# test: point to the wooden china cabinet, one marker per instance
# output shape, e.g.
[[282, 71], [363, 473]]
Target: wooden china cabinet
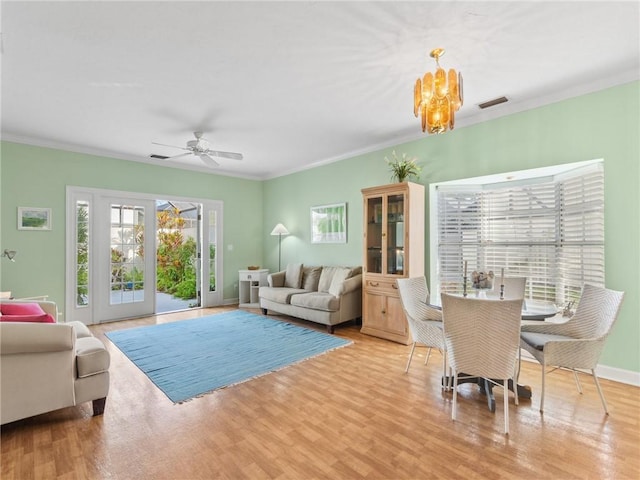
[[393, 248]]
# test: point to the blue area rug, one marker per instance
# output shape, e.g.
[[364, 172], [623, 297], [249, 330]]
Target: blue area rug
[[188, 358]]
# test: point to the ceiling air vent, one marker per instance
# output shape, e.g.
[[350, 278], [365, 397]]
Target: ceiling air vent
[[161, 157], [493, 103]]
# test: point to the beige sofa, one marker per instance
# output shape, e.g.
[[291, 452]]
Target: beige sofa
[[327, 295], [47, 366]]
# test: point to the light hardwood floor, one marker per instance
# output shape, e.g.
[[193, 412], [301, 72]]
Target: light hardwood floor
[[349, 414]]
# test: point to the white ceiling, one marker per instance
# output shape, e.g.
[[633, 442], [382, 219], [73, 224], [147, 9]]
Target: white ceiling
[[288, 84]]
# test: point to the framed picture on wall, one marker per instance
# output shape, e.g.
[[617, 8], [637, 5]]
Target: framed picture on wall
[[32, 218], [329, 223]]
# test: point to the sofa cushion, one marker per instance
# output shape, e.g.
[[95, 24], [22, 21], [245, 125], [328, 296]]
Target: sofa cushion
[[310, 278], [91, 357], [316, 301], [293, 275], [337, 282], [42, 318], [279, 294], [21, 309], [326, 277]]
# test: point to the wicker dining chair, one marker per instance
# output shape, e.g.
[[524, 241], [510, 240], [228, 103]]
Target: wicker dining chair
[[577, 343], [482, 339], [425, 321]]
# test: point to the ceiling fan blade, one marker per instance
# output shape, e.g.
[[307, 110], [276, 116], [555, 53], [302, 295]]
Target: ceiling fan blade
[[208, 161], [231, 155], [178, 156], [172, 146]]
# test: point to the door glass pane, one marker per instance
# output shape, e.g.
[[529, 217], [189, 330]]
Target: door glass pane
[[395, 234], [212, 250], [82, 253], [374, 235], [127, 254]]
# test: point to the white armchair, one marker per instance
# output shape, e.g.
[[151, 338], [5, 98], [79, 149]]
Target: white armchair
[[47, 366]]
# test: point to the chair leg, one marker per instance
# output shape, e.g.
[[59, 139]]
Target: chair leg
[[413, 347], [426, 360], [515, 391], [544, 368], [455, 395], [604, 402], [505, 387], [578, 384], [446, 384]]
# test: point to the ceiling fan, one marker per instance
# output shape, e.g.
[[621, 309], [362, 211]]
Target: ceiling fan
[[201, 148]]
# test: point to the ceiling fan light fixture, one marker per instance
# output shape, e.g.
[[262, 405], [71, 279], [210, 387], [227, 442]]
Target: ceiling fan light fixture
[[437, 96], [202, 149]]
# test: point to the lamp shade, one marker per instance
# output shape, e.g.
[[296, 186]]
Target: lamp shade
[[280, 229]]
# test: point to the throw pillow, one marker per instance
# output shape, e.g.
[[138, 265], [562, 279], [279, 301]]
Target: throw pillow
[[21, 309], [354, 271], [310, 278], [337, 282], [325, 278], [44, 318], [293, 275]]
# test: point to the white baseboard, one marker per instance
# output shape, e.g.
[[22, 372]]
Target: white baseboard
[[618, 375], [628, 377]]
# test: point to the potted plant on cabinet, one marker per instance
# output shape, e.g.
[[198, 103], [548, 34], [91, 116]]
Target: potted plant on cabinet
[[403, 168]]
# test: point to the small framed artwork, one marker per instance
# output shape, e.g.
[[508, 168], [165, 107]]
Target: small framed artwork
[[329, 223], [32, 218]]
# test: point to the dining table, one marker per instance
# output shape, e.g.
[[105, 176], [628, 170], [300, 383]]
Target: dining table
[[532, 311]]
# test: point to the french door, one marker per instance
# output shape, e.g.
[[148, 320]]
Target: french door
[[111, 251], [125, 239]]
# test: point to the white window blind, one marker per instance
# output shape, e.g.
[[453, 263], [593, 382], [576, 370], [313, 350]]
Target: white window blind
[[549, 229]]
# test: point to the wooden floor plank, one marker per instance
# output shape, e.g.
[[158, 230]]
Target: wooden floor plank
[[352, 413]]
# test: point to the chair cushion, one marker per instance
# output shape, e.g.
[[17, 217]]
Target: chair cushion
[[537, 340], [21, 309], [91, 357], [293, 275]]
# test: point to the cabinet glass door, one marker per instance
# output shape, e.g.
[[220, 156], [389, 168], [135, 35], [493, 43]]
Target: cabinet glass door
[[374, 234], [395, 234]]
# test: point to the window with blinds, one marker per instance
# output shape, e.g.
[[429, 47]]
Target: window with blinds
[[549, 229]]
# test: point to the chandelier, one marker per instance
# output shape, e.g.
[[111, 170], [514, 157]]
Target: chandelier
[[437, 97]]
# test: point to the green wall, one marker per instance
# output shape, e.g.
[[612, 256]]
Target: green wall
[[38, 177], [599, 125], [604, 125]]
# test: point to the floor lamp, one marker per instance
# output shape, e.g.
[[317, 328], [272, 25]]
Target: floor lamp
[[279, 230]]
